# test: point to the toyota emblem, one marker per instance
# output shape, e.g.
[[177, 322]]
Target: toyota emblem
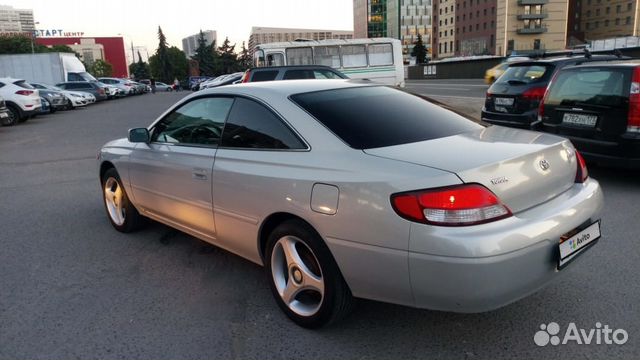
[[544, 165]]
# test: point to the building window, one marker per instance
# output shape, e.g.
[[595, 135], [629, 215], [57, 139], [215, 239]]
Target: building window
[[596, 24], [588, 13], [588, 25], [536, 44], [606, 22], [618, 9], [597, 12], [607, 10], [628, 20], [617, 21]]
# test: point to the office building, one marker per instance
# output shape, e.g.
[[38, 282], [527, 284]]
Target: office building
[[531, 25], [190, 43], [16, 20], [262, 35], [398, 19], [475, 32]]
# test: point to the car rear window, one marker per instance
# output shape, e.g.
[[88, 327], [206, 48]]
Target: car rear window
[[264, 75], [525, 74], [379, 116], [593, 86], [23, 84]]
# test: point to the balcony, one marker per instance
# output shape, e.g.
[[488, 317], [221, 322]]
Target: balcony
[[532, 16], [532, 2], [532, 30]]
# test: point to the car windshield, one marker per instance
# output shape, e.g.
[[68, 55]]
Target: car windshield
[[525, 73], [592, 86], [379, 116]]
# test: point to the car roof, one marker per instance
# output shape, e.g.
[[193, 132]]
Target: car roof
[[565, 59], [292, 67], [287, 87], [621, 63]]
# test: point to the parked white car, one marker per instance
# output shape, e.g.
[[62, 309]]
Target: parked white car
[[22, 99], [76, 98], [125, 85]]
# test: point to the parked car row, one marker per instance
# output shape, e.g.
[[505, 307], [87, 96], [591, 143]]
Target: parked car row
[[22, 100], [272, 73], [593, 100]]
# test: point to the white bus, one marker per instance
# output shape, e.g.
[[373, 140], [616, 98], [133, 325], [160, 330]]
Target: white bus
[[377, 59]]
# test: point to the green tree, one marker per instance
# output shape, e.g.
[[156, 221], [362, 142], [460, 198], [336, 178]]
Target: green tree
[[179, 64], [419, 51], [15, 44], [205, 55], [140, 69], [228, 58], [61, 48], [101, 68], [245, 60], [163, 71]]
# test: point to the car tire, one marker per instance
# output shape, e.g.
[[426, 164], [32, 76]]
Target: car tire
[[121, 213], [10, 120], [15, 113], [303, 276]]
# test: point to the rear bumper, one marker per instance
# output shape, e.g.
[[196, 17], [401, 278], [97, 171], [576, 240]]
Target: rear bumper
[[469, 279], [526, 120]]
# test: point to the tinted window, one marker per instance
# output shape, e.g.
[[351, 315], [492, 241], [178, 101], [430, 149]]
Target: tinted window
[[38, 86], [608, 87], [326, 74], [23, 84], [251, 125], [371, 117], [298, 74], [198, 122], [264, 75], [74, 77], [524, 74]]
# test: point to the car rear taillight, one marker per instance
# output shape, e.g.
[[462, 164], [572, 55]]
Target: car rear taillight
[[633, 117], [534, 94], [460, 205], [24, 92], [245, 76], [581, 173], [101, 91]]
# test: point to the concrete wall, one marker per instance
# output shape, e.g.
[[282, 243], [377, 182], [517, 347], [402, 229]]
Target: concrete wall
[[474, 69]]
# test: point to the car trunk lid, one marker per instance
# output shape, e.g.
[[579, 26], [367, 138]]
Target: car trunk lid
[[519, 89], [522, 168], [590, 102]]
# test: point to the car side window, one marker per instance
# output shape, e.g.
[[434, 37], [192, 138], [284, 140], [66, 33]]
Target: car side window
[[298, 74], [252, 126], [198, 122], [325, 74], [264, 75]]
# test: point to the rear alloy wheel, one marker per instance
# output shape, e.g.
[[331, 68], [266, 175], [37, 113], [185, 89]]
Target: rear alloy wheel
[[304, 277], [123, 215], [10, 120], [15, 113]]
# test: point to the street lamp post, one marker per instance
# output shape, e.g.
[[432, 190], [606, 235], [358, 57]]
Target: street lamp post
[[33, 37]]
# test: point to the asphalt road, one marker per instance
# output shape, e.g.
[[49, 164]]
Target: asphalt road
[[466, 95], [72, 287]]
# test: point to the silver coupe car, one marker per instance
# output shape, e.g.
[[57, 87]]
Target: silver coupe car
[[346, 189]]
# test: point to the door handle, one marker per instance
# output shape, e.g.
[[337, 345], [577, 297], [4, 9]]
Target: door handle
[[199, 174]]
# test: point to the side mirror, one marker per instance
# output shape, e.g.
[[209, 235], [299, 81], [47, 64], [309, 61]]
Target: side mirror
[[139, 135]]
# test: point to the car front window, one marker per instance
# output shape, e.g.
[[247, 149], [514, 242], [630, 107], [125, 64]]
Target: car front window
[[198, 122]]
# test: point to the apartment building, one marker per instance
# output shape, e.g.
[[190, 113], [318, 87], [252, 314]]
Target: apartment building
[[16, 20], [526, 25], [604, 19], [262, 35]]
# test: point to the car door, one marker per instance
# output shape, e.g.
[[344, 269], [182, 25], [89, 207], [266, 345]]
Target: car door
[[255, 154], [171, 175]]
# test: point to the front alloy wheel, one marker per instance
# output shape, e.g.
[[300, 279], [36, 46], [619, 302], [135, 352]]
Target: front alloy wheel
[[123, 215]]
